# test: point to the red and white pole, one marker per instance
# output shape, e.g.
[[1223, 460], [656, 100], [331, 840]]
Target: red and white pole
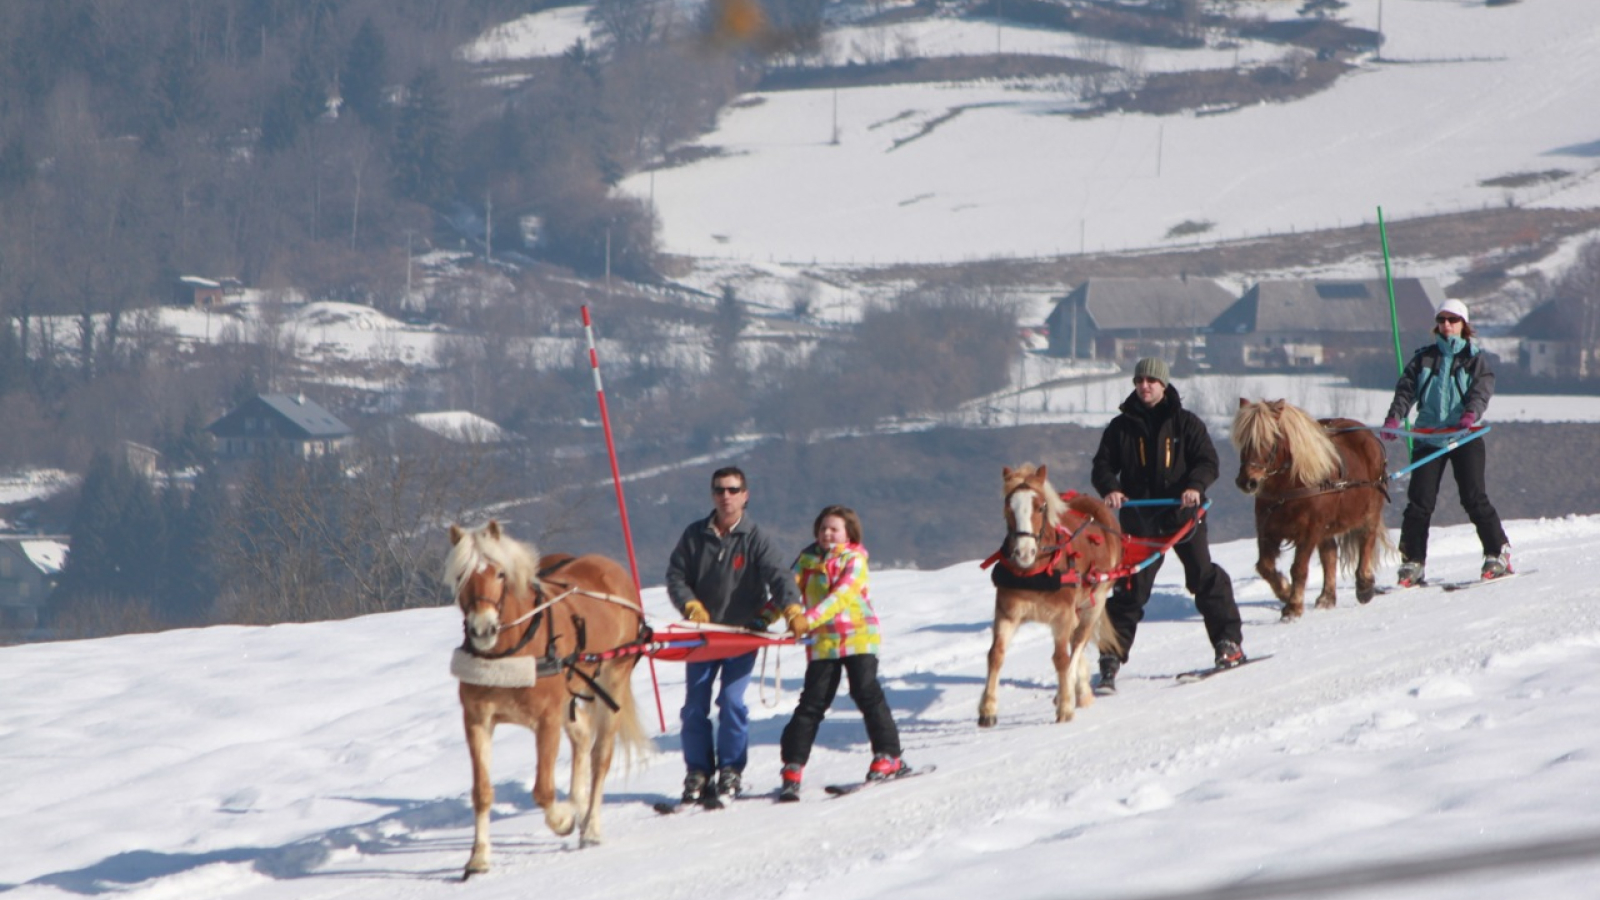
[[622, 503]]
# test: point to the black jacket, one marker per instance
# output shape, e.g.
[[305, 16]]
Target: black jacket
[[732, 574], [1154, 452]]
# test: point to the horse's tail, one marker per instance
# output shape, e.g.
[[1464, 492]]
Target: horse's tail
[[635, 743], [1350, 549], [1105, 632]]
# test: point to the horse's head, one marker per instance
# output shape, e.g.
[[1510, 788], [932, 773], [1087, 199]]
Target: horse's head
[[1262, 451], [1277, 439], [492, 577], [1032, 508]]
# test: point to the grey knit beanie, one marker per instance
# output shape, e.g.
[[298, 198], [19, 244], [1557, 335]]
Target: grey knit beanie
[[1151, 367]]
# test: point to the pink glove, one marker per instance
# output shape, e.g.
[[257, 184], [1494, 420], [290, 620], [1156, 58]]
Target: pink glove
[[1466, 420], [1390, 425]]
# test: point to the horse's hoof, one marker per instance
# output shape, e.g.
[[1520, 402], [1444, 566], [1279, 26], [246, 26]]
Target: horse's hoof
[[475, 867], [590, 840], [1291, 613], [1063, 717], [987, 721], [1327, 604]]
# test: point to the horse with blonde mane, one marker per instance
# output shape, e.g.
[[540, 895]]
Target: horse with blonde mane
[[529, 621], [1319, 484], [1058, 548]]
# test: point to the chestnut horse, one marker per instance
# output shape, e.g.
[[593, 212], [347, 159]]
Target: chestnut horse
[[1318, 484], [1048, 536], [527, 622]]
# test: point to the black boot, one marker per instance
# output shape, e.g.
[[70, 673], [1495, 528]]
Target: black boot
[[1109, 665], [694, 784]]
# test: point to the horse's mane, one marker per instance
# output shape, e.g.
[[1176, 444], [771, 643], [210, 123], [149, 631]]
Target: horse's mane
[[1054, 506], [1313, 458], [489, 545], [1090, 508]]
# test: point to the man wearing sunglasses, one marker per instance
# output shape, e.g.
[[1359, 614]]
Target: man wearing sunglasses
[[724, 571], [1450, 381]]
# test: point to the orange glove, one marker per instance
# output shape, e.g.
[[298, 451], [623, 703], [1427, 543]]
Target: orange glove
[[797, 619], [696, 612]]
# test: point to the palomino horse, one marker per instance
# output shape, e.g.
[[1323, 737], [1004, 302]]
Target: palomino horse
[[1317, 483], [1047, 537], [528, 621]]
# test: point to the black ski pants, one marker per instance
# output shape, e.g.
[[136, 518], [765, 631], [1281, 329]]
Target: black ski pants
[[1210, 584], [1467, 463], [822, 684]]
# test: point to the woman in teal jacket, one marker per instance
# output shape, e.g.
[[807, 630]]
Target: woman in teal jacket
[[1451, 382]]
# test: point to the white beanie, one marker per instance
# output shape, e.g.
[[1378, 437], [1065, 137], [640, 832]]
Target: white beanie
[[1455, 308]]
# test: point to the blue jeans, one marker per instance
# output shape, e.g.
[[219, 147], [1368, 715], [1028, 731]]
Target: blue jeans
[[732, 747]]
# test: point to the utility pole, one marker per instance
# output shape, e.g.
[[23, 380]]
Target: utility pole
[[1378, 54], [835, 140], [407, 304]]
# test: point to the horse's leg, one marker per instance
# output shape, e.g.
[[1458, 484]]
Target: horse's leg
[[989, 705], [580, 728], [1061, 627], [1328, 553], [1366, 566], [1295, 605], [606, 724], [1081, 636], [547, 738], [1267, 564], [480, 744]]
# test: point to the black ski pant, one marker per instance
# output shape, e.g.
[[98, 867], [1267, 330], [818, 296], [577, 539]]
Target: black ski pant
[[1467, 463], [1210, 584], [822, 684]]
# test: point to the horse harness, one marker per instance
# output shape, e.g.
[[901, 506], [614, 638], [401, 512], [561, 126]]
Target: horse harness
[[1051, 556], [1335, 486], [552, 663]]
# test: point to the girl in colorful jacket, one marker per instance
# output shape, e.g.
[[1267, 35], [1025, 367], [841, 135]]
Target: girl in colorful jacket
[[836, 613]]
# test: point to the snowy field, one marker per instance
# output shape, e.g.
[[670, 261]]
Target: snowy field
[[1428, 745], [1464, 93]]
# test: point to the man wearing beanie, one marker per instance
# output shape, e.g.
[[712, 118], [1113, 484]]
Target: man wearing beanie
[[1157, 450]]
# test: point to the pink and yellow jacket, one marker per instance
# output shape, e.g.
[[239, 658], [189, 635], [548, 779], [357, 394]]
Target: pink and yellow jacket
[[833, 588]]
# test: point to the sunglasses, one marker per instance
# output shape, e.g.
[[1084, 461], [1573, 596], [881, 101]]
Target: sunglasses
[[1448, 320], [719, 489]]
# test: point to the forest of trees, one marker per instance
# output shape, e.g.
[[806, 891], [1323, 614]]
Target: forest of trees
[[299, 145]]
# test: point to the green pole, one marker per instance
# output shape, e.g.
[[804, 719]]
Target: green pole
[[1388, 277], [1394, 314]]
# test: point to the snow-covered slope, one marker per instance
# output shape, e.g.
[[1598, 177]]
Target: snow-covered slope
[[1425, 745], [1464, 93]]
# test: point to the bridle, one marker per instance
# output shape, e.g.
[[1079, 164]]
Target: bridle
[[1015, 531], [1263, 462]]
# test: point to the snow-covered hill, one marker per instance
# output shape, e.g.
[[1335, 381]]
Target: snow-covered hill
[[1463, 93], [1427, 745]]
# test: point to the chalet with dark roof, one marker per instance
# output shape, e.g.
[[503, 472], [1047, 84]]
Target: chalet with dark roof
[[30, 569], [1315, 324], [1552, 340], [280, 423], [1123, 319]]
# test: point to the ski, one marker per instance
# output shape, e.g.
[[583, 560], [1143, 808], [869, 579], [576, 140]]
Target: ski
[[1384, 589], [1480, 582], [845, 790], [1203, 674], [673, 807]]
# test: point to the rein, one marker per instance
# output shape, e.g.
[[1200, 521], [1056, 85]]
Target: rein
[[550, 663], [1340, 485]]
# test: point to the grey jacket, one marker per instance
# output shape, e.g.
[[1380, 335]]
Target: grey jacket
[[738, 576]]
